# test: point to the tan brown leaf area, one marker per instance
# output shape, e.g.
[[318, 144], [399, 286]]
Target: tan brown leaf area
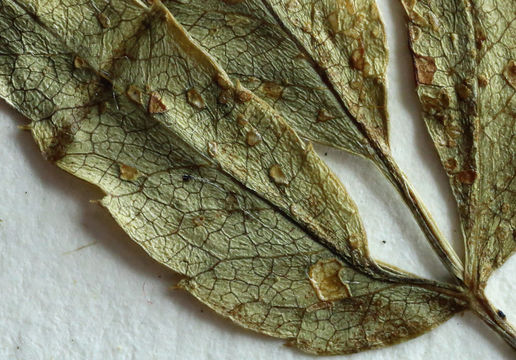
[[187, 114]]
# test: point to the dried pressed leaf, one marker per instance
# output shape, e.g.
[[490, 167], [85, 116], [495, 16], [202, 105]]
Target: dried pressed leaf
[[469, 104], [321, 64], [187, 81], [263, 233]]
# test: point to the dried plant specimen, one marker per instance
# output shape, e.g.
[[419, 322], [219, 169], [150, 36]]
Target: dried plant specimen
[[190, 126]]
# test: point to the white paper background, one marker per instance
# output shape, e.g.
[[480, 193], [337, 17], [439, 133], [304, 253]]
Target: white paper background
[[75, 287]]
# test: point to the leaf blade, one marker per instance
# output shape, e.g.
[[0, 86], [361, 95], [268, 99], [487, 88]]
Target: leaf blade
[[148, 173], [302, 64], [306, 190], [333, 92], [472, 133]]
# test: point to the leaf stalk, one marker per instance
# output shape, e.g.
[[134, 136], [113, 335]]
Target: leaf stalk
[[494, 318], [441, 246]]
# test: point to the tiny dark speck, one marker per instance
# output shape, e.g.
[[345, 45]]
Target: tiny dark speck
[[501, 314], [383, 241], [325, 154], [187, 177]]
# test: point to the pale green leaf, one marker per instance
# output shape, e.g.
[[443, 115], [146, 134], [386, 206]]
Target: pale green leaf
[[155, 60], [205, 176], [321, 63], [465, 67]]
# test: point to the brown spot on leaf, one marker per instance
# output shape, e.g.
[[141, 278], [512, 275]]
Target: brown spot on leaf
[[483, 81], [277, 175], [306, 27], [453, 131], [104, 20], [435, 105], [451, 143], [510, 73], [134, 94], [324, 276], [128, 173], [502, 232], [464, 91], [293, 6], [195, 99], [222, 81], [242, 95], [253, 137], [156, 105], [506, 208], [56, 149], [425, 69], [225, 96], [241, 121], [324, 116], [467, 177], [272, 89], [334, 21], [212, 148], [199, 220], [357, 59], [480, 37], [79, 63], [450, 164], [415, 33]]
